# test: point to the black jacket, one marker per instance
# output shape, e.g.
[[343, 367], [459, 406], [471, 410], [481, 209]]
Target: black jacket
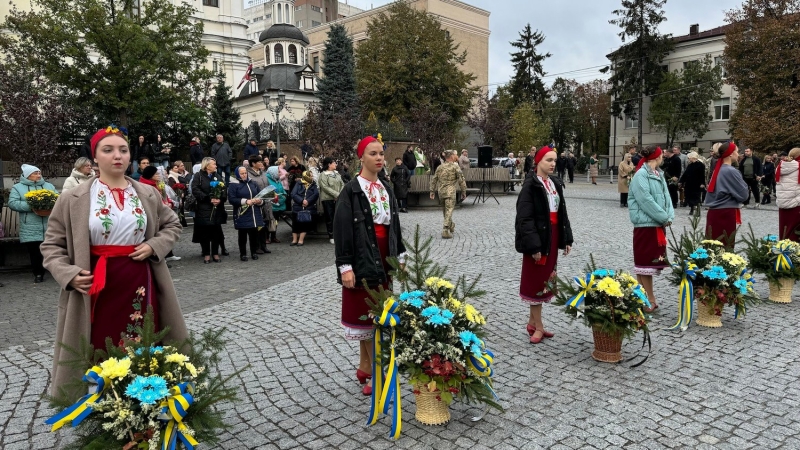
[[769, 172], [532, 225], [158, 155], [354, 235], [561, 164], [409, 160], [757, 172], [300, 193], [528, 164], [672, 166], [143, 151], [694, 176], [196, 154], [401, 181], [572, 162], [201, 189]]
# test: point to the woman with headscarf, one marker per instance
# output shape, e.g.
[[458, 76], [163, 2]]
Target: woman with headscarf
[[651, 212], [258, 175], [787, 197], [304, 198], [105, 247], [210, 212], [541, 229], [693, 181], [247, 216], [32, 226], [278, 202], [624, 175], [726, 191], [366, 231]]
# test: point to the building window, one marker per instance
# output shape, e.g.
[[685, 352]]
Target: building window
[[316, 64], [447, 34], [268, 16], [288, 18], [292, 54], [722, 109], [280, 14], [314, 23], [720, 62], [665, 68], [299, 24], [632, 120], [278, 54], [266, 55], [687, 64], [302, 56], [215, 66], [214, 3], [316, 8], [298, 8]]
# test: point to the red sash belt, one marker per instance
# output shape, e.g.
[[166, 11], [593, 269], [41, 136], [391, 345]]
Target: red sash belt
[[105, 252], [738, 216]]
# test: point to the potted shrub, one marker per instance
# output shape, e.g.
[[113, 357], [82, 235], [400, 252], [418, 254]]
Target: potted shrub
[[778, 261]]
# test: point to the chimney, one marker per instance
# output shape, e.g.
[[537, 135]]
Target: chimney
[[694, 30]]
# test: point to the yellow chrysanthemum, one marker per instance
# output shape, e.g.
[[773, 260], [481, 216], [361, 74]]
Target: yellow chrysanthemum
[[455, 303], [712, 242], [115, 368], [629, 279], [734, 259], [473, 315], [610, 287], [177, 358], [190, 367], [436, 282]]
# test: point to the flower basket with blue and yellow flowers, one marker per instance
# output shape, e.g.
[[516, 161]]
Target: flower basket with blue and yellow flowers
[[779, 262], [143, 395], [608, 301], [432, 333], [706, 272]]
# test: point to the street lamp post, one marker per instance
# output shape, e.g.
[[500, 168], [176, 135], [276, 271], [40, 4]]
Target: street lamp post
[[280, 102]]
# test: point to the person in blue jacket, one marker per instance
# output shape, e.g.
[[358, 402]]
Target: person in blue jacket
[[304, 197], [247, 216], [650, 209], [32, 227]]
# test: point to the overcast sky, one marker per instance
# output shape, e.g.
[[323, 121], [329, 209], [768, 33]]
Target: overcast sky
[[577, 31]]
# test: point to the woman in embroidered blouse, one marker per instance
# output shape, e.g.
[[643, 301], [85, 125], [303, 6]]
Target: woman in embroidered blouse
[[106, 246], [541, 229], [366, 232]]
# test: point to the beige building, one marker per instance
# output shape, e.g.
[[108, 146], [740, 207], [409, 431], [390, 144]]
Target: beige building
[[688, 48], [262, 14]]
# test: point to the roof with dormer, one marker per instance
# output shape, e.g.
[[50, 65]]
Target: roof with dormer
[[283, 31]]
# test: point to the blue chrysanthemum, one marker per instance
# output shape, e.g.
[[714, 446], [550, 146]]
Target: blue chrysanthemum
[[476, 350], [405, 296], [437, 320], [771, 238], [214, 184], [431, 311], [148, 390], [139, 351], [467, 338], [715, 273], [603, 273], [700, 253], [741, 283], [417, 294], [416, 302], [447, 314]]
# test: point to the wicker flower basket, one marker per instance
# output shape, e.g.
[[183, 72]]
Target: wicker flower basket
[[42, 212], [706, 318], [430, 410], [607, 347], [781, 292]]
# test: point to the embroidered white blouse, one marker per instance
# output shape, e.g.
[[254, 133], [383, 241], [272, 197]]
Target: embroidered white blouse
[[381, 210], [552, 193], [116, 216]]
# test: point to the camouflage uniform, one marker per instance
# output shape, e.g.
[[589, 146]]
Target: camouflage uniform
[[448, 179]]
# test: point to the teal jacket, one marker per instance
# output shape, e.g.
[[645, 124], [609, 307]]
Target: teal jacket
[[31, 226], [649, 203]]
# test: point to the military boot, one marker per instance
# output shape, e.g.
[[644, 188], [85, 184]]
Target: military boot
[[446, 234], [452, 227]]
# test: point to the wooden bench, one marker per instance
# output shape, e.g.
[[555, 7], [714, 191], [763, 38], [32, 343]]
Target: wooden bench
[[10, 221], [11, 252]]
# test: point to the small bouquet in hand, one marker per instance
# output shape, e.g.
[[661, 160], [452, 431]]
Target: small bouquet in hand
[[264, 193], [217, 189]]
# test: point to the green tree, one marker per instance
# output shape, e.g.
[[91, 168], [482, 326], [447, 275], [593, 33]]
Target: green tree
[[226, 118], [408, 60], [562, 112], [526, 85], [528, 128], [681, 106], [636, 66], [128, 64], [490, 121], [763, 62], [594, 116]]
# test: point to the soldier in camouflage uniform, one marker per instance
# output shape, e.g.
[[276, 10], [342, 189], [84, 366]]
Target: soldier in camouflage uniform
[[448, 179]]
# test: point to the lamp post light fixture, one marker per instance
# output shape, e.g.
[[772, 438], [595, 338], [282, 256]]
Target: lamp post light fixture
[[280, 103]]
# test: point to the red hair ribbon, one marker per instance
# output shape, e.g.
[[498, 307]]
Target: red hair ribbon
[[539, 156], [362, 145], [651, 157], [107, 131], [712, 184]]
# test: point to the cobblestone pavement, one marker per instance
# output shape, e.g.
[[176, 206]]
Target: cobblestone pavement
[[734, 387]]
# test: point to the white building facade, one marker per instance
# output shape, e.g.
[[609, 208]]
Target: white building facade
[[688, 48]]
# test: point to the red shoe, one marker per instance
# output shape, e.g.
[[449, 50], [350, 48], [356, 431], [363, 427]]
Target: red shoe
[[363, 377], [367, 390], [531, 329], [536, 340]]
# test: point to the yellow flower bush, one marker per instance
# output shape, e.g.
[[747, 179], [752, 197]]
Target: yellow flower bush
[[177, 358], [439, 283], [116, 368], [734, 259], [610, 287], [41, 199], [473, 315]]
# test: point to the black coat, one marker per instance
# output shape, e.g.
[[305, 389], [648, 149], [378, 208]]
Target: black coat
[[769, 173], [571, 163], [143, 151], [528, 164], [354, 235], [409, 160], [157, 152], [250, 150], [757, 171], [196, 154], [300, 193], [201, 189], [672, 166], [532, 225], [694, 177], [561, 164], [401, 181]]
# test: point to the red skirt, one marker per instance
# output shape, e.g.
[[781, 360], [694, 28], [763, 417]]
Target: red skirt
[[789, 223], [119, 308], [649, 250], [535, 274], [721, 225], [354, 301]]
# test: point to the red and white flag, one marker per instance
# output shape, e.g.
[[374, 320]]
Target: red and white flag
[[247, 76]]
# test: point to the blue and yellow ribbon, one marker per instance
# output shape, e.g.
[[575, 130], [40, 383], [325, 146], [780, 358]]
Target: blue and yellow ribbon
[[783, 263], [638, 291], [75, 414], [586, 284], [173, 409], [386, 395], [686, 297], [483, 367]]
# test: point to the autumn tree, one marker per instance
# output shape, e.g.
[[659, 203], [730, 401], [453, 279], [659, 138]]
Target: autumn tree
[[490, 121], [763, 62], [594, 115], [431, 126], [636, 66], [528, 128], [408, 60], [561, 111], [681, 105], [128, 61], [526, 84]]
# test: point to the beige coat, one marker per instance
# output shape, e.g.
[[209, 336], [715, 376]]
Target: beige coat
[[66, 251], [625, 169]]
